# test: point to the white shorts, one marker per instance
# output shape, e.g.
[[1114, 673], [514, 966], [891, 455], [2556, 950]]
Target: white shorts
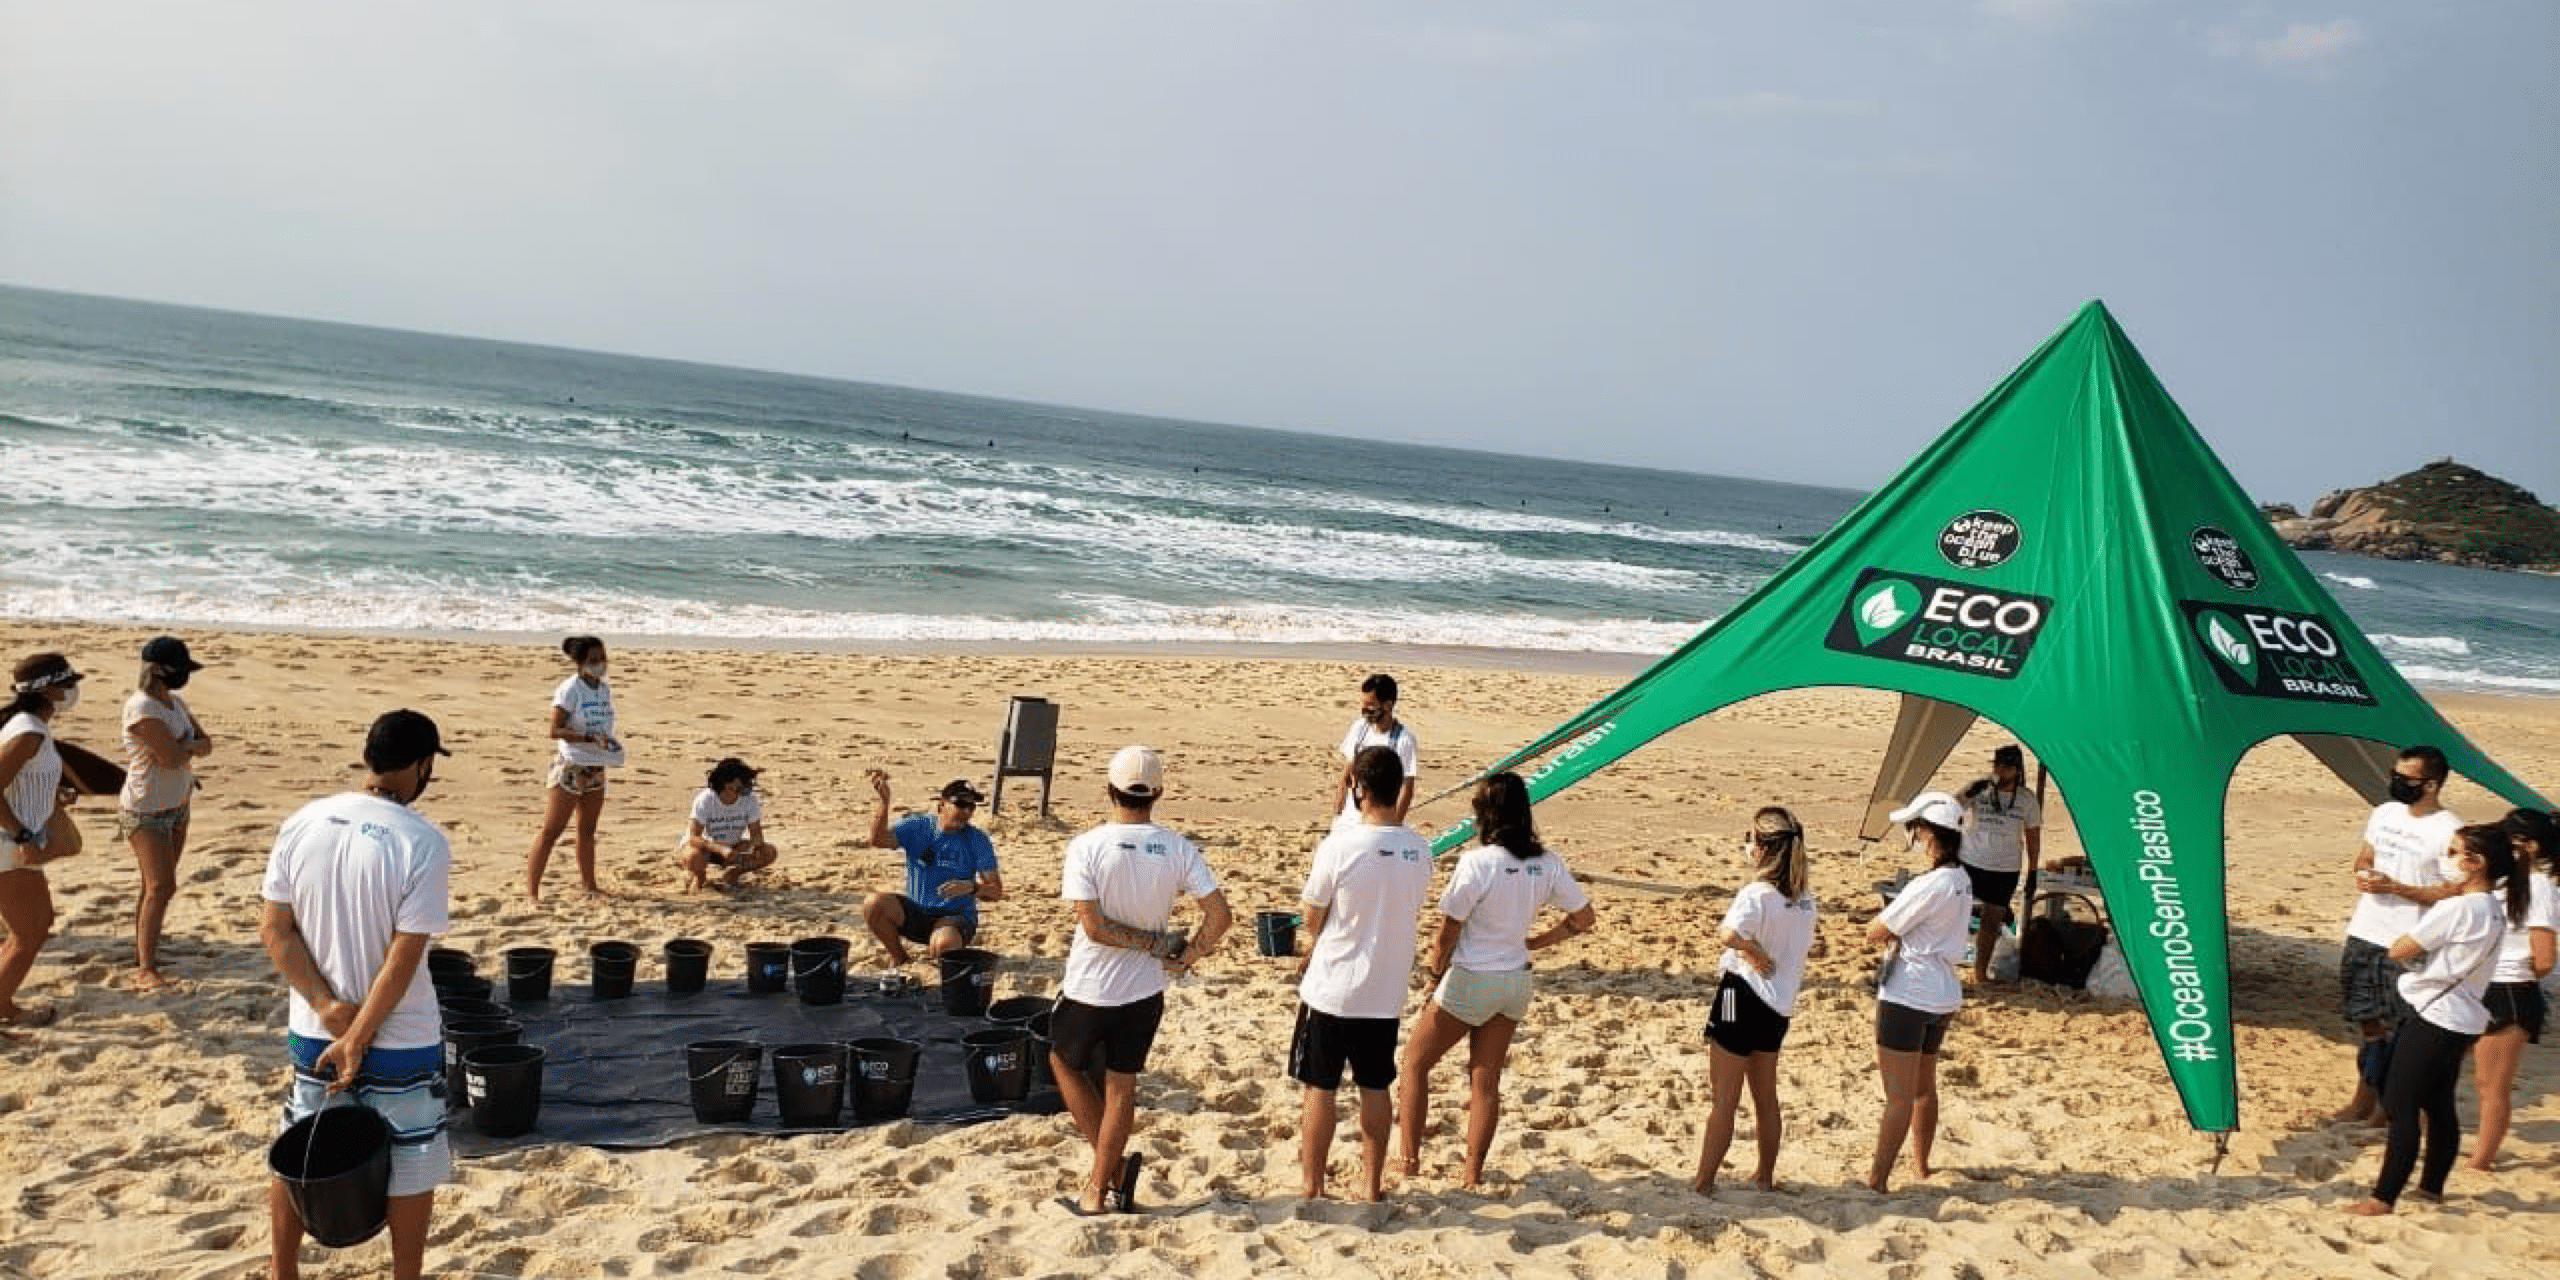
[[1474, 998]]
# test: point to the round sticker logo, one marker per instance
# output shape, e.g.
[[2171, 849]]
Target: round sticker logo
[[2224, 558], [1978, 539]]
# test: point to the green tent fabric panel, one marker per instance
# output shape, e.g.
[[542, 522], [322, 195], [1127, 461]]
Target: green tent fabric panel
[[2070, 560]]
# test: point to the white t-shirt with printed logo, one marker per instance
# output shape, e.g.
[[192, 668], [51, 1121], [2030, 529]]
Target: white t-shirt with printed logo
[[1498, 897], [724, 823], [1930, 918], [1371, 882], [1134, 872], [2542, 911], [2411, 851], [1783, 929], [1996, 823], [590, 709], [357, 869], [2461, 935]]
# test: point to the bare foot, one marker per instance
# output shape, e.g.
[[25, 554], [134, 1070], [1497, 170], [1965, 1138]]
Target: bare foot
[[2424, 1196], [2350, 1115], [1764, 1184], [1704, 1184], [2369, 1208], [151, 981]]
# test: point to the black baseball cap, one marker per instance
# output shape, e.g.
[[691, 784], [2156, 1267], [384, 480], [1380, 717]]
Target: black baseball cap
[[401, 738], [169, 651], [959, 790]]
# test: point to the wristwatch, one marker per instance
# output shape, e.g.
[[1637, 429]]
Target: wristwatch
[[26, 835]]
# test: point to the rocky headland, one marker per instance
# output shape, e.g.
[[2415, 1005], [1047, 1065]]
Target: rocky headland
[[2443, 511]]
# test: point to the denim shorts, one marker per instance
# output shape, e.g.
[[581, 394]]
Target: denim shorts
[[157, 821]]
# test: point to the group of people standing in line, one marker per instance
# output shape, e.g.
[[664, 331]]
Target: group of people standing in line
[[2453, 931]]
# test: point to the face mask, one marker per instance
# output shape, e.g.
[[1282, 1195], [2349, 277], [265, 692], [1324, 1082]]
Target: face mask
[[426, 774], [592, 671], [70, 698], [2406, 789], [174, 679]]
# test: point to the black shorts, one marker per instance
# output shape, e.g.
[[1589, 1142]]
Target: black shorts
[[1992, 888], [1323, 1044], [1114, 1037], [1903, 1029], [916, 922], [2516, 1004], [1741, 1023]]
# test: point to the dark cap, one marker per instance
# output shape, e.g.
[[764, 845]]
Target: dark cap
[[2009, 754], [399, 739], [169, 651], [960, 790]]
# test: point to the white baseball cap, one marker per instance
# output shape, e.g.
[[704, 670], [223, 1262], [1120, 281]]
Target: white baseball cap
[[1138, 771], [1934, 807]]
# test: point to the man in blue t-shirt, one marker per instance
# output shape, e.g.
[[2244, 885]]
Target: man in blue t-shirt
[[951, 868]]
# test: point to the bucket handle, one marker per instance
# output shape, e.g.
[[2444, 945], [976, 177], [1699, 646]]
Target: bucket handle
[[691, 1078]]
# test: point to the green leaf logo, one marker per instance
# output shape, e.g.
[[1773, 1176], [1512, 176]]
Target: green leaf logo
[[1888, 604], [2222, 636]]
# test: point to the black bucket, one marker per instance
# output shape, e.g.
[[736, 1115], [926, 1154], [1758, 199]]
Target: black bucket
[[808, 1084], [688, 965], [723, 1077], [610, 966], [817, 969], [463, 1008], [463, 1035], [1042, 1077], [449, 961], [335, 1165], [1017, 1010], [999, 1060], [505, 1085], [968, 982], [461, 986], [529, 973], [1275, 932], [768, 967], [884, 1077]]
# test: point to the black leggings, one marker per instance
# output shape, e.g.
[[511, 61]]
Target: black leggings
[[2426, 1064]]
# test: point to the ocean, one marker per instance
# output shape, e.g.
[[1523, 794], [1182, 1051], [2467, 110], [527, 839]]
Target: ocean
[[174, 467]]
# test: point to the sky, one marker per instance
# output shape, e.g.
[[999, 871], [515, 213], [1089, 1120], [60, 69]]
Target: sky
[[1779, 240]]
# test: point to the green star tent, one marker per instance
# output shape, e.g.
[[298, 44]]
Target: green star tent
[[2072, 561]]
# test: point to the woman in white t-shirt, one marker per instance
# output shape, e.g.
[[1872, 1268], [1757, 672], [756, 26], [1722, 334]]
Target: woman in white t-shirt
[[162, 742], [726, 829], [2516, 1005], [45, 686], [2459, 936], [1480, 956], [582, 726], [1918, 992], [1766, 934]]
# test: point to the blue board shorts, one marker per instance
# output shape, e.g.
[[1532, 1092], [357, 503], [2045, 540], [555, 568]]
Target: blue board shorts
[[405, 1085]]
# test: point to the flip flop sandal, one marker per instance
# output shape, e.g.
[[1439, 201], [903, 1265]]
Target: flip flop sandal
[[30, 1018], [1123, 1198]]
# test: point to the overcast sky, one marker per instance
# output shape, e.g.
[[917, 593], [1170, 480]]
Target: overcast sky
[[1780, 239]]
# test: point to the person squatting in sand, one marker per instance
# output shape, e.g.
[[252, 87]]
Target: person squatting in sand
[[1766, 933], [33, 831], [1360, 902], [356, 886], [726, 828], [2404, 845], [2003, 841], [1123, 879], [1376, 727], [951, 868], [582, 724], [2517, 1008], [1480, 958], [1918, 992], [162, 742], [2459, 935]]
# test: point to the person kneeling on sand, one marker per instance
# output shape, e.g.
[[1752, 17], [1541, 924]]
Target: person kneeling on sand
[[727, 828], [951, 868]]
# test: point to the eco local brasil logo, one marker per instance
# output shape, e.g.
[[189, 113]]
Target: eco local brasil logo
[[2276, 653], [1936, 623]]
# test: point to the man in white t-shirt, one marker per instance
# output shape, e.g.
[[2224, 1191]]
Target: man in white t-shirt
[[2003, 840], [1123, 878], [1361, 901], [355, 888], [1376, 727], [2399, 869], [725, 828]]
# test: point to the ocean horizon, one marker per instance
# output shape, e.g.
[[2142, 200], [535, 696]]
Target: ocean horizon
[[216, 469]]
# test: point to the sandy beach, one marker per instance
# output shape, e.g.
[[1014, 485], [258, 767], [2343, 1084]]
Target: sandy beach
[[133, 1132]]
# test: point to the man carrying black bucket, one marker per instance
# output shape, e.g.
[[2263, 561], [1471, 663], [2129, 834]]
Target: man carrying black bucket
[[951, 868], [1123, 878], [1361, 901], [355, 887]]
